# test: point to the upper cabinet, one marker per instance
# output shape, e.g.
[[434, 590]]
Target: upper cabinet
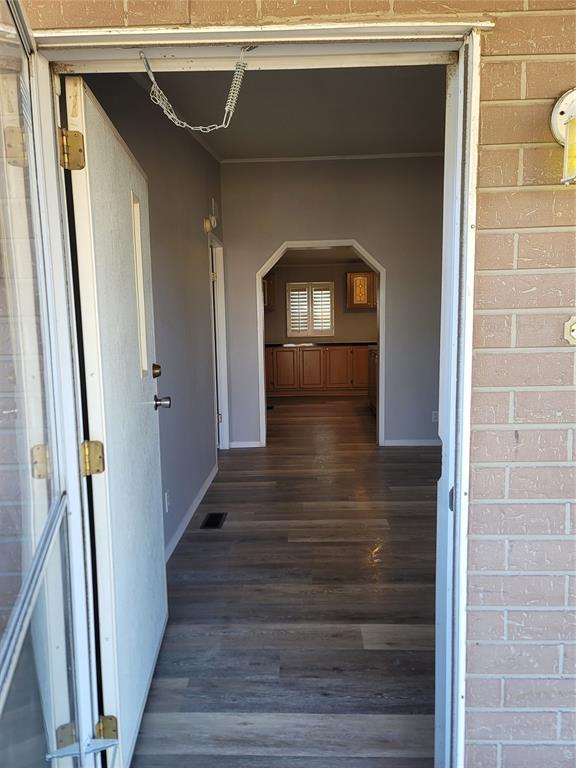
[[361, 290]]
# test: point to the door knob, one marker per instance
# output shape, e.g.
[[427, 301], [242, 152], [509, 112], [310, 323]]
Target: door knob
[[162, 402], [156, 370]]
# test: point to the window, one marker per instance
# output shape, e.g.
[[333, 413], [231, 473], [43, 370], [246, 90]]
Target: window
[[310, 309]]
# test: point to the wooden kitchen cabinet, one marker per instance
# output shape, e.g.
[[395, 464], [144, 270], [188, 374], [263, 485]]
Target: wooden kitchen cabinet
[[361, 290], [337, 367], [332, 369], [269, 367], [360, 367], [311, 373], [286, 368], [373, 388]]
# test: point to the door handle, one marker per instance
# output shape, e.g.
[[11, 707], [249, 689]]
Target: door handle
[[162, 402]]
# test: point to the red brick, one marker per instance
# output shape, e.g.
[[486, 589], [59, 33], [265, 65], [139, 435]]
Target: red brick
[[540, 330], [485, 625], [486, 483], [491, 331], [513, 659], [544, 407], [481, 756], [223, 12], [511, 726], [482, 692], [543, 482], [494, 251], [500, 80], [277, 10], [141, 13], [551, 555], [548, 756], [519, 445], [515, 123], [486, 555], [531, 33], [523, 369], [516, 591], [498, 167], [540, 693], [542, 165], [542, 625], [543, 250], [524, 291], [549, 79], [526, 208], [490, 407], [523, 519]]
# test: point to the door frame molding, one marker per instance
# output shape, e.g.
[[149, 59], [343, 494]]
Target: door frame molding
[[367, 257], [351, 45], [220, 352]]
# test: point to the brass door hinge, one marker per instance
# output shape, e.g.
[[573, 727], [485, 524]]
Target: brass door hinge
[[71, 144], [65, 735], [106, 727], [15, 146], [41, 465], [91, 458], [213, 276]]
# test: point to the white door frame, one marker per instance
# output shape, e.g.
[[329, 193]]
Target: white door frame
[[367, 257], [218, 301], [381, 44]]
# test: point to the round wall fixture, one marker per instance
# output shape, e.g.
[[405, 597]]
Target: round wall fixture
[[564, 108]]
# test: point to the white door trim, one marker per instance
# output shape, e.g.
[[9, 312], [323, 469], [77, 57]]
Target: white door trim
[[109, 51], [221, 350], [377, 267]]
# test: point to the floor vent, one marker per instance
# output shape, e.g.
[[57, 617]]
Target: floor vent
[[214, 520]]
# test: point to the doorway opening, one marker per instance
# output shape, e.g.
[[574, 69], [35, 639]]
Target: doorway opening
[[322, 327], [243, 414]]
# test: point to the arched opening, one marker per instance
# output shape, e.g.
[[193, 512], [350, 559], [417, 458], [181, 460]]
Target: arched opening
[[367, 258]]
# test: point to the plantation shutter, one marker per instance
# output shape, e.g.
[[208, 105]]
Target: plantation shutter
[[298, 309], [322, 314], [310, 309]]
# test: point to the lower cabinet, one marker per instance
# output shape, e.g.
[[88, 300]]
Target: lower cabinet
[[338, 367], [373, 379], [286, 368], [295, 370], [311, 368]]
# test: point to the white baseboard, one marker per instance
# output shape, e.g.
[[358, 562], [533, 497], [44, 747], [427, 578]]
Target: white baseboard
[[171, 546], [414, 443], [247, 444]]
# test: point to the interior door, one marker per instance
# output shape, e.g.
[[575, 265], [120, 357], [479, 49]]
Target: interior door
[[110, 200]]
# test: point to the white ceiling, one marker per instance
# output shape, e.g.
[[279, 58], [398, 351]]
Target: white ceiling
[[319, 112], [339, 254]]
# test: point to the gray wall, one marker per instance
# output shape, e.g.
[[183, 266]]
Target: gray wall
[[348, 325], [391, 207], [182, 177]]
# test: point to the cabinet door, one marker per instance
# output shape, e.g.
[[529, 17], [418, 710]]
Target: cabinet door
[[361, 290], [286, 368], [373, 379], [338, 367], [360, 367], [311, 368], [269, 368]]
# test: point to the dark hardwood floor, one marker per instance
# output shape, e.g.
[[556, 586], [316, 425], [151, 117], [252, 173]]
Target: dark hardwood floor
[[301, 632]]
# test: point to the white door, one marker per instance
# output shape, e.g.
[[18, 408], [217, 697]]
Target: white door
[[110, 198]]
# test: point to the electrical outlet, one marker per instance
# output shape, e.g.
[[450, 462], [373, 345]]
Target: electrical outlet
[[166, 502], [435, 417]]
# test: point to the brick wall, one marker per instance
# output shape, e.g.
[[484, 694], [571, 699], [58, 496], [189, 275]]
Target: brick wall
[[522, 613]]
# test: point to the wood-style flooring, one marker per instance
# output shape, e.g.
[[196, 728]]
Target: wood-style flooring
[[301, 632]]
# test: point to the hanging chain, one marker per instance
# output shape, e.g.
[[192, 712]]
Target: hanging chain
[[158, 96]]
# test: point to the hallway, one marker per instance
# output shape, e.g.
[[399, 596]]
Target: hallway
[[301, 632]]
